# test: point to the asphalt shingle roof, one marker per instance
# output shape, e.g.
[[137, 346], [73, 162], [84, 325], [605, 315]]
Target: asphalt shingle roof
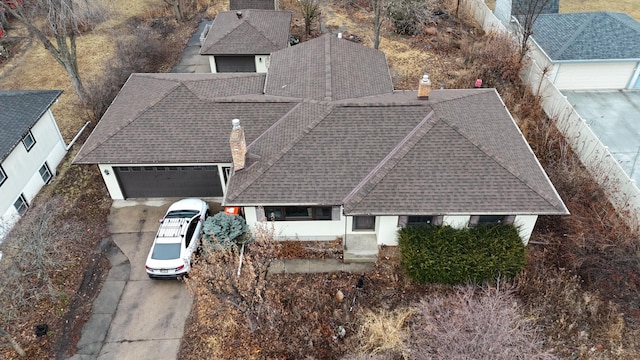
[[337, 142], [387, 154], [19, 111], [255, 32], [252, 4], [588, 36], [328, 68], [172, 118]]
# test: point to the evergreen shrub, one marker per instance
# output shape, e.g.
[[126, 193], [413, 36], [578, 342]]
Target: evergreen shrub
[[434, 254]]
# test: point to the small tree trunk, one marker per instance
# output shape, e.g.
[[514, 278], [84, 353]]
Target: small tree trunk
[[13, 342]]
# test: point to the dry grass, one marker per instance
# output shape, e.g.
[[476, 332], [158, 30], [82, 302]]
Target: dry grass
[[35, 68], [385, 331]]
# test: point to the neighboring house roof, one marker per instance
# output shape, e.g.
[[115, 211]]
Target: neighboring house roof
[[253, 32], [395, 154], [252, 4], [328, 68], [176, 115], [588, 36], [20, 110]]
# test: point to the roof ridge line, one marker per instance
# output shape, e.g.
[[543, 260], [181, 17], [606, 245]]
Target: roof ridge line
[[575, 34], [400, 148], [327, 68], [133, 118], [500, 163], [268, 164]]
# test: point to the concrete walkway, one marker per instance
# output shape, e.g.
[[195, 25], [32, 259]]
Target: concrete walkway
[[191, 61]]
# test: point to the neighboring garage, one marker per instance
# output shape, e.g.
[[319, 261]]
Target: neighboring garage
[[225, 64], [169, 181]]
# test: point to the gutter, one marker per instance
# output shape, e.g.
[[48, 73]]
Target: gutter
[[75, 138]]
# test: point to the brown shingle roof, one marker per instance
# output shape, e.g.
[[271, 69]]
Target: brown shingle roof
[[255, 32], [173, 118], [373, 150], [388, 154], [328, 68]]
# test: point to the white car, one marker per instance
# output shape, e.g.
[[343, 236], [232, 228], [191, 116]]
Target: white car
[[177, 239]]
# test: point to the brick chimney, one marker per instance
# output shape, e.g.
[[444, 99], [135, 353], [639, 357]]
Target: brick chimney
[[424, 88], [238, 145]]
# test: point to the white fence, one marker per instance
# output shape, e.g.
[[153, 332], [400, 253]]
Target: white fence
[[621, 190]]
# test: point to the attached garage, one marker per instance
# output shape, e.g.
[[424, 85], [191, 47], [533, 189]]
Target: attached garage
[[169, 181]]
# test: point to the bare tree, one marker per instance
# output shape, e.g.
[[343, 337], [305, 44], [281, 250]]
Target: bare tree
[[379, 14], [32, 252], [236, 275], [527, 12], [179, 8], [310, 10], [62, 20]]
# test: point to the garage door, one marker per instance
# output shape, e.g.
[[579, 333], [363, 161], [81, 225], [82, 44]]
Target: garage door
[[169, 181], [235, 64]]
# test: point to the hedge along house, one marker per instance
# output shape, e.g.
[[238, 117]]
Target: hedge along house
[[330, 149], [588, 51], [242, 40]]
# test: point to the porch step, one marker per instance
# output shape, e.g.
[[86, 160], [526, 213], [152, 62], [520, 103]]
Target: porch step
[[360, 256]]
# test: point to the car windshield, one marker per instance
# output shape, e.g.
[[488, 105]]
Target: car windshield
[[166, 251], [177, 214]]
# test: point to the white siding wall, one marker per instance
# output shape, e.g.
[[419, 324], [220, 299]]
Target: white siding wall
[[525, 225], [262, 63], [321, 230], [212, 63], [593, 76], [456, 222], [386, 228], [22, 167], [111, 181]]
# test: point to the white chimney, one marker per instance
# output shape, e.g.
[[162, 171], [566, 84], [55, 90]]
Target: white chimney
[[424, 88], [239, 14], [238, 145]]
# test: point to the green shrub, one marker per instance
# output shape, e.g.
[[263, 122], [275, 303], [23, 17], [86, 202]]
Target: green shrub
[[225, 230], [432, 254]]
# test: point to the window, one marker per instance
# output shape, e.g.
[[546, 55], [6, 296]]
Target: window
[[21, 205], [45, 173], [419, 220], [3, 176], [364, 222], [491, 220], [28, 141], [293, 213]]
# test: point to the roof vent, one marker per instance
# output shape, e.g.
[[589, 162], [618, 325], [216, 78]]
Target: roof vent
[[239, 14]]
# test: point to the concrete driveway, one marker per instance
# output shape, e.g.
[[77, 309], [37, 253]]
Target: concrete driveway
[[149, 320], [135, 317]]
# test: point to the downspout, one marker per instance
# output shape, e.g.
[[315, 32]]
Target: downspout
[[67, 147]]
